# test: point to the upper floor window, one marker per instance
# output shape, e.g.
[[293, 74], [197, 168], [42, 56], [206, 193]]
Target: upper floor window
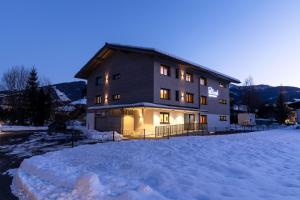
[[98, 80], [222, 101], [165, 93], [164, 118], [165, 70], [223, 118], [203, 119], [98, 99], [116, 97], [223, 85], [189, 97], [116, 76], [177, 95], [189, 77], [177, 73], [203, 100], [203, 81]]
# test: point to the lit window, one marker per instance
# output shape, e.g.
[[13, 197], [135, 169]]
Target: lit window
[[165, 94], [203, 81], [203, 119], [116, 97], [98, 99], [223, 118], [164, 118], [189, 98], [203, 100], [116, 76], [165, 70], [223, 85], [189, 77], [98, 80], [222, 101]]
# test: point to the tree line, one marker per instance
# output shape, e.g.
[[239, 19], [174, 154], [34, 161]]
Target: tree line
[[251, 98], [27, 98]]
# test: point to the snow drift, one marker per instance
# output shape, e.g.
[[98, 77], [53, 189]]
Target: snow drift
[[260, 166]]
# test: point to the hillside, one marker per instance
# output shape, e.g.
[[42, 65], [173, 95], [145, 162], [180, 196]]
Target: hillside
[[268, 94]]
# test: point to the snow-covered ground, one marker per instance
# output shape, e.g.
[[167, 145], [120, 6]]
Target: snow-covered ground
[[7, 128], [250, 166]]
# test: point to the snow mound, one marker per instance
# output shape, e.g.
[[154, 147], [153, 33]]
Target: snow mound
[[97, 135], [7, 128], [79, 102], [260, 166]]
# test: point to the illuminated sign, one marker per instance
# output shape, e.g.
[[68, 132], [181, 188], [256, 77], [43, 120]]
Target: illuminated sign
[[213, 93]]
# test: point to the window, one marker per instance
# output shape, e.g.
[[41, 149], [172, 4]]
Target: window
[[222, 101], [189, 97], [98, 99], [203, 100], [223, 85], [116, 97], [177, 73], [116, 76], [203, 81], [189, 77], [177, 95], [223, 118], [165, 70], [203, 119], [164, 118], [165, 93], [98, 80]]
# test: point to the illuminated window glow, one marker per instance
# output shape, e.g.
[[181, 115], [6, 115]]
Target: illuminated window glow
[[98, 99], [164, 118], [189, 98], [165, 70], [164, 94], [203, 100]]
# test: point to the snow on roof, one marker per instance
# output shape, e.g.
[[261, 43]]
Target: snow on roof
[[62, 96], [142, 104], [79, 102]]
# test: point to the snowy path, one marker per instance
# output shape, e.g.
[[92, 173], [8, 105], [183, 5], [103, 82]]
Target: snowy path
[[251, 166]]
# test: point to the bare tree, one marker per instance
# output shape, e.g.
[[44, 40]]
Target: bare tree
[[250, 97], [13, 82]]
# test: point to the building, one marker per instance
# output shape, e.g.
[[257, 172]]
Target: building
[[136, 89], [296, 105], [246, 119]]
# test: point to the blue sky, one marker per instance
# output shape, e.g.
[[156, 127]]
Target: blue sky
[[260, 38]]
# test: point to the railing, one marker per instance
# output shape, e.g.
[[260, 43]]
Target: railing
[[180, 129]]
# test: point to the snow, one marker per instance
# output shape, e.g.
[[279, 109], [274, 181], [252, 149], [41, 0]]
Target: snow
[[66, 108], [79, 102], [260, 166], [97, 135], [62, 96], [7, 128]]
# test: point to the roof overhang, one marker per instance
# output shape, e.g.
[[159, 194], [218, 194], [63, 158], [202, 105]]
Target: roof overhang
[[143, 105], [108, 48]]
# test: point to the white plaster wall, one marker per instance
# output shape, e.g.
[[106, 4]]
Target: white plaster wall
[[213, 122], [176, 117], [90, 121]]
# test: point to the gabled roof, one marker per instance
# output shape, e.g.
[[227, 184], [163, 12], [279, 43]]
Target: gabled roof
[[108, 47]]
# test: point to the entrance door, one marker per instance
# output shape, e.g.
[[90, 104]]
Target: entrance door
[[189, 121]]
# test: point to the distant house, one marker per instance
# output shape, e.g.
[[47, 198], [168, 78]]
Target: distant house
[[296, 105], [131, 89]]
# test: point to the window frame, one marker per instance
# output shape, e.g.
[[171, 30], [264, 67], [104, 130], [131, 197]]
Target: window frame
[[205, 102], [116, 97], [165, 70], [98, 99], [190, 75], [97, 82], [189, 97], [223, 101], [223, 118], [201, 121], [177, 95], [163, 114], [204, 81], [165, 96]]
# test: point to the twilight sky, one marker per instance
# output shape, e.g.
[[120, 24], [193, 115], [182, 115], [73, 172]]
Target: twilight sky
[[237, 37]]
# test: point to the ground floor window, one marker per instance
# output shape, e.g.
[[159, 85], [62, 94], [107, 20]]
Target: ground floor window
[[223, 118], [203, 119], [164, 118]]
